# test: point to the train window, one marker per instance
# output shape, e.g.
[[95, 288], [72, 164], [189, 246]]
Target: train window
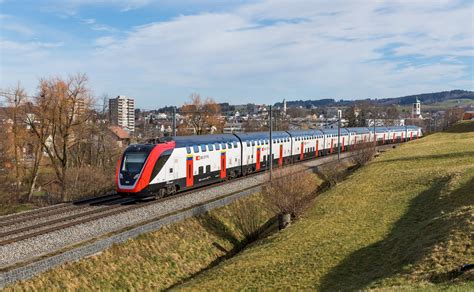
[[196, 148], [253, 143], [211, 147], [171, 170], [201, 169], [248, 143], [203, 148], [266, 142], [218, 147], [188, 149], [223, 146], [235, 144], [208, 168]]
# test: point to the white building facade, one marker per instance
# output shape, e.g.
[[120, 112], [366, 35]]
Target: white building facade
[[416, 109], [122, 112]]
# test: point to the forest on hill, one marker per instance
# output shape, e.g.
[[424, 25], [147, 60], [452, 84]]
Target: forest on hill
[[425, 98]]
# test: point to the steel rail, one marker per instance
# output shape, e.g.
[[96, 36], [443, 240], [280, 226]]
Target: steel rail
[[53, 210]]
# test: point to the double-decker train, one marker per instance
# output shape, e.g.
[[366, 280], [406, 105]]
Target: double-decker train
[[164, 167]]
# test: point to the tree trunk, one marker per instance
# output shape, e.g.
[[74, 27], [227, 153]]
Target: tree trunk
[[34, 174], [63, 182], [15, 151]]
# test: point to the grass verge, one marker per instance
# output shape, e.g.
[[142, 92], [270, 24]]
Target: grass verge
[[404, 221]]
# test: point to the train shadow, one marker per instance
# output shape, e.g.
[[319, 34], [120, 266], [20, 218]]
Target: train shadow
[[410, 240]]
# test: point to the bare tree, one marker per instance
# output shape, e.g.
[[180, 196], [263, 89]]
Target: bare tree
[[453, 115], [332, 172], [248, 218], [291, 191], [39, 125], [362, 153], [16, 98], [65, 103], [202, 115]]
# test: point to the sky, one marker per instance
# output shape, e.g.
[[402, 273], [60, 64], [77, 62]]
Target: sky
[[159, 52]]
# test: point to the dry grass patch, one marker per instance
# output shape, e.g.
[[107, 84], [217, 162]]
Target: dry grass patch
[[402, 221]]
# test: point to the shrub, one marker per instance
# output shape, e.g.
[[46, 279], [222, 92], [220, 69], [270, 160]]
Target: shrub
[[248, 218], [332, 172], [362, 153], [291, 191]]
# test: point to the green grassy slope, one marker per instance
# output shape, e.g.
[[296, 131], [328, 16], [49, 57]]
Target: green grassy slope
[[153, 261], [405, 220]]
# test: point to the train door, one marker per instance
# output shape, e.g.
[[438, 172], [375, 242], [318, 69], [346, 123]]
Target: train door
[[223, 164], [189, 171], [257, 166], [302, 151], [280, 159]]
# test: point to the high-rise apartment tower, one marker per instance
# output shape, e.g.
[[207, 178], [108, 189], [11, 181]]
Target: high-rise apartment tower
[[122, 112]]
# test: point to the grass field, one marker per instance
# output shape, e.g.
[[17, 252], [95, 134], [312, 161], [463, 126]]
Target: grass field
[[404, 221]]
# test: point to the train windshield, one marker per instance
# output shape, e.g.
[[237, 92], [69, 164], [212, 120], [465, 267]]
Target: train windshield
[[133, 161]]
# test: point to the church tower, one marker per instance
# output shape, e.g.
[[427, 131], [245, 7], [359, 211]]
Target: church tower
[[416, 109]]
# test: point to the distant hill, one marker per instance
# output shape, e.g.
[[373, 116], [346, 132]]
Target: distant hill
[[425, 98]]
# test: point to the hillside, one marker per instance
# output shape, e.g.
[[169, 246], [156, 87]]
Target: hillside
[[403, 221], [425, 98]]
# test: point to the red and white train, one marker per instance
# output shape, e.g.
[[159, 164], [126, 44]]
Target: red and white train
[[184, 162]]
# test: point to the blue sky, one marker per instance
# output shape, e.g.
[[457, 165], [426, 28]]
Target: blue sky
[[159, 52]]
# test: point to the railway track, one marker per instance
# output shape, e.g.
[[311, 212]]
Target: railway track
[[105, 207], [23, 217]]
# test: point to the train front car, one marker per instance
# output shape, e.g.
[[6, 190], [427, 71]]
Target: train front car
[[139, 164]]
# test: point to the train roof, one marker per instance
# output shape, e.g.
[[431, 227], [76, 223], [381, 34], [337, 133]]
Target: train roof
[[335, 131], [305, 133], [358, 130], [182, 141], [262, 135]]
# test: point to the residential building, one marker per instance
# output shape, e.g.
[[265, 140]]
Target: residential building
[[121, 137], [122, 112]]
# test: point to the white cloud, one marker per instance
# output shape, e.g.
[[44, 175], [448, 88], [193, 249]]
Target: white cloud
[[294, 49]]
